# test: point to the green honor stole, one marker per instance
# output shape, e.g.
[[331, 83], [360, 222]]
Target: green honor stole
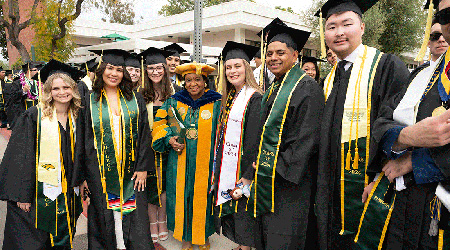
[[56, 208], [116, 159], [261, 199]]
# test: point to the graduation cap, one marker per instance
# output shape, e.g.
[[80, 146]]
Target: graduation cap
[[258, 54], [29, 65], [54, 66], [270, 25], [114, 57], [91, 64], [336, 6], [175, 49], [132, 60], [234, 50], [293, 38], [154, 55], [8, 72], [306, 59]]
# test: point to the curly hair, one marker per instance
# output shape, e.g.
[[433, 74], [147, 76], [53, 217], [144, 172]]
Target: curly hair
[[126, 85], [149, 93], [47, 101]]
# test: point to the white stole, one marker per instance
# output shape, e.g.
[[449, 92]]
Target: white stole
[[232, 144]]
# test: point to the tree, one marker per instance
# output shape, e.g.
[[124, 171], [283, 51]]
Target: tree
[[53, 27], [11, 21], [179, 6], [288, 9], [3, 43], [116, 11]]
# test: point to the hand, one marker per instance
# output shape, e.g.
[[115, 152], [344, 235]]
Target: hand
[[175, 145], [428, 133], [24, 206], [254, 165], [140, 180], [84, 192], [399, 167], [25, 88], [367, 191], [244, 181]]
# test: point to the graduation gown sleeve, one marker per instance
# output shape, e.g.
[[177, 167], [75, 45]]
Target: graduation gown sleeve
[[251, 136], [145, 157], [18, 167]]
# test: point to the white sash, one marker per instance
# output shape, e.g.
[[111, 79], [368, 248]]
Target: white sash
[[88, 82], [232, 143]]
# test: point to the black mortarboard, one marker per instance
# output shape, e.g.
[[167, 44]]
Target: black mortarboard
[[435, 3], [154, 55], [293, 38], [175, 49], [270, 25], [336, 6], [55, 66], [258, 54], [91, 65], [132, 60], [29, 65], [114, 57], [8, 71], [306, 59], [234, 50]]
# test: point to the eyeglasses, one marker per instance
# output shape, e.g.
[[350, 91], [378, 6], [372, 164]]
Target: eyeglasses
[[443, 16], [158, 68], [435, 36]]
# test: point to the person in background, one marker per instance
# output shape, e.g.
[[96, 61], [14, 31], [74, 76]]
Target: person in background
[[310, 66], [331, 56], [173, 61], [190, 159], [133, 66], [437, 43], [3, 117]]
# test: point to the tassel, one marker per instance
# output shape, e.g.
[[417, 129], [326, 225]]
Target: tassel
[[87, 69], [104, 184], [263, 57], [348, 160], [356, 160], [426, 38], [221, 86], [198, 68], [434, 229], [322, 38], [142, 72], [435, 207], [39, 87]]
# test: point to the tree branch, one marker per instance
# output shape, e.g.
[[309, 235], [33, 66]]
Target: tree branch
[[27, 22]]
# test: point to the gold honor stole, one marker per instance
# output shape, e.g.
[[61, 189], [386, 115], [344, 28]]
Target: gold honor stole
[[2, 100], [116, 159], [262, 198], [56, 209], [355, 137]]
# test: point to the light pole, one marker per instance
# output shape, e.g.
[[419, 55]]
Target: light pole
[[198, 9]]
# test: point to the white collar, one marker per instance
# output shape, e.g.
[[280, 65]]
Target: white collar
[[352, 57]]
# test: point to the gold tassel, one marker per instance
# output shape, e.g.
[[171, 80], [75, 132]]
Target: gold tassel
[[322, 38], [87, 69], [263, 57], [348, 160], [426, 38], [39, 86], [356, 160], [198, 69], [142, 72], [220, 84]]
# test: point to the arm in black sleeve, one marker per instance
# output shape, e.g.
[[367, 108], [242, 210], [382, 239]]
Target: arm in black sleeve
[[145, 157], [251, 136]]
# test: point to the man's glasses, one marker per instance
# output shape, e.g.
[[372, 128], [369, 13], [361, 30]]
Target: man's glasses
[[435, 36], [443, 16]]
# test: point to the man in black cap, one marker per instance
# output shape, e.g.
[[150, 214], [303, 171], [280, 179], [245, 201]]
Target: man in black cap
[[133, 66], [286, 166], [363, 78], [411, 150], [173, 61], [3, 119], [23, 92]]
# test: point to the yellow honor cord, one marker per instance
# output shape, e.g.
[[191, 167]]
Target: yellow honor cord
[[426, 37]]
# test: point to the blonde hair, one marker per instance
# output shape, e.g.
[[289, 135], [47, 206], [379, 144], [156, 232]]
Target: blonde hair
[[47, 100], [249, 81]]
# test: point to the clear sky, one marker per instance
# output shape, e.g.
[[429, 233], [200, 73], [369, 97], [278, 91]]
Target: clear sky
[[149, 9]]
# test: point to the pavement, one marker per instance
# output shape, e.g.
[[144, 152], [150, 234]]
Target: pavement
[[80, 241]]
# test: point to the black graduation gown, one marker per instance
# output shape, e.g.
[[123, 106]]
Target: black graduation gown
[[18, 183], [390, 78], [16, 102], [411, 217], [296, 168], [241, 227], [101, 230], [83, 91]]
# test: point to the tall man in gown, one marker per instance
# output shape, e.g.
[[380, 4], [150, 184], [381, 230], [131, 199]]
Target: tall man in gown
[[361, 80], [411, 149], [287, 156]]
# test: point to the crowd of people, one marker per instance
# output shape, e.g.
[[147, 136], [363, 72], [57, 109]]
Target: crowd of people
[[272, 158]]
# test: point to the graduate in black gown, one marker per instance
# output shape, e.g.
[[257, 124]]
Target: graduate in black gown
[[115, 120], [287, 156], [172, 61], [379, 76], [411, 150], [42, 208], [237, 145]]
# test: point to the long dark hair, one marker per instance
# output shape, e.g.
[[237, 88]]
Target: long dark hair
[[149, 93], [126, 85]]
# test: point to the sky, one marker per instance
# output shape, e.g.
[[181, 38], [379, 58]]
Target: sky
[[150, 11]]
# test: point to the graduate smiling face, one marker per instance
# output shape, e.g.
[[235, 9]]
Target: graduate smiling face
[[112, 76], [280, 58], [235, 72], [172, 63], [155, 72], [310, 69], [343, 33], [61, 91], [195, 85]]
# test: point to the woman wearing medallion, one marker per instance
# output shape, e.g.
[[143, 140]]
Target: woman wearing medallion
[[114, 157], [190, 157], [239, 120], [156, 89], [36, 170]]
